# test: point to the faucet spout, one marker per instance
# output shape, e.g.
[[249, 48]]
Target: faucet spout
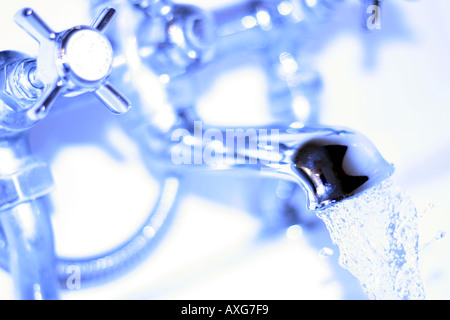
[[337, 166], [331, 164]]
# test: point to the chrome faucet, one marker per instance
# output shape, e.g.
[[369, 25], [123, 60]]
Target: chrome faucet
[[70, 63], [179, 41], [330, 164], [176, 43]]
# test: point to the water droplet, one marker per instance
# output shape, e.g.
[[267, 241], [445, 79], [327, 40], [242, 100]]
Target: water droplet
[[326, 252], [294, 232]]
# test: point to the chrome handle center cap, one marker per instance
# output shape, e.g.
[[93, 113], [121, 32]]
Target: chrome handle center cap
[[88, 54]]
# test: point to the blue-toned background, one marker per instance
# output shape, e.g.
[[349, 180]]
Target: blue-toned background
[[392, 85]]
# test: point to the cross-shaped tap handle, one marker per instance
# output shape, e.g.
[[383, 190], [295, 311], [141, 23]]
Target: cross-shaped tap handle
[[74, 61]]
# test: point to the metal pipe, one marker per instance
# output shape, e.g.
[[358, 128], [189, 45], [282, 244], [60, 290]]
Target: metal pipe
[[29, 235]]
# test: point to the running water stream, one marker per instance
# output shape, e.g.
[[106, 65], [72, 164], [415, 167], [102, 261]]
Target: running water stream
[[377, 236]]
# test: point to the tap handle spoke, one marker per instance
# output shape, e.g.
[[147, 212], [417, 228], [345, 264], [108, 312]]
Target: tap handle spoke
[[28, 20], [104, 18], [45, 102], [113, 100]]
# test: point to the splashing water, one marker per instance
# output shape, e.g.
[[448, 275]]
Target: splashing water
[[377, 236]]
